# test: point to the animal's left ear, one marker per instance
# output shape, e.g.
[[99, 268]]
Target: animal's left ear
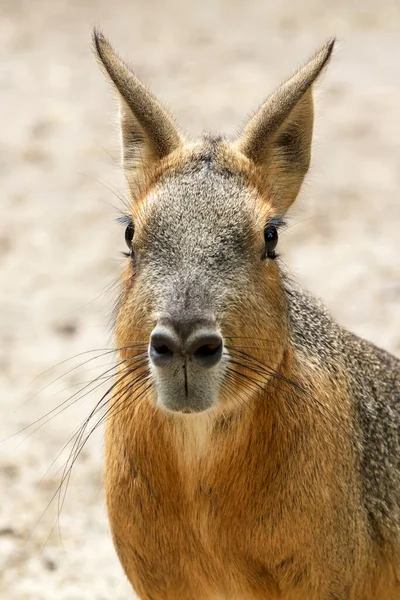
[[277, 139]]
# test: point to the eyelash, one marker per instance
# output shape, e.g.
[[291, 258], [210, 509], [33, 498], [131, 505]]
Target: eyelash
[[124, 219]]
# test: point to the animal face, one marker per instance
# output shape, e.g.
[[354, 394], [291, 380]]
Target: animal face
[[201, 273], [198, 263]]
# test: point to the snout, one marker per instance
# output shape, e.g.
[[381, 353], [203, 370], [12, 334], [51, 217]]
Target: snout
[[185, 357]]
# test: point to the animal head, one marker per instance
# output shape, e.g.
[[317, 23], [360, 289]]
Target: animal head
[[202, 231]]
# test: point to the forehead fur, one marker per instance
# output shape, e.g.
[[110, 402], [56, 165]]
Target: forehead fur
[[207, 181]]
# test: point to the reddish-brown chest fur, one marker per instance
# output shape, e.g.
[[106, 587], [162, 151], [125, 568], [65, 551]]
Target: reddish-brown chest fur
[[241, 506]]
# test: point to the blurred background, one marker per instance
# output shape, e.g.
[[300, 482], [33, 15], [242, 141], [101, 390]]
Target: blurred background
[[212, 63]]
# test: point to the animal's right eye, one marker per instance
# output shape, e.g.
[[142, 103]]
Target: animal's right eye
[[129, 231]]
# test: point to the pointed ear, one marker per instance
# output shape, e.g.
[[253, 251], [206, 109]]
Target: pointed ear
[[277, 139], [148, 132]]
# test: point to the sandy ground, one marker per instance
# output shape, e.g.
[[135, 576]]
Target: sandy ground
[[212, 62]]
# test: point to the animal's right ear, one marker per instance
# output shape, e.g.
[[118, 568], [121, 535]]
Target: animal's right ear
[[148, 132]]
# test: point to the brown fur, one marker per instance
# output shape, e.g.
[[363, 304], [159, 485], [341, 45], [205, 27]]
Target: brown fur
[[261, 497], [180, 515]]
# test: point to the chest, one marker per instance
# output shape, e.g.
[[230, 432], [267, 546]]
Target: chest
[[198, 515]]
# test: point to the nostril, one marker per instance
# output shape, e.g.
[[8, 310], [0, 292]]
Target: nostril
[[208, 350], [162, 349], [163, 346]]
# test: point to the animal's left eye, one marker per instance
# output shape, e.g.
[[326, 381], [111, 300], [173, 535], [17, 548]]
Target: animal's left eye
[[129, 231], [271, 240]]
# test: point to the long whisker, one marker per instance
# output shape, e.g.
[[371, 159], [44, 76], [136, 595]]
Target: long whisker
[[112, 412], [103, 352], [258, 368], [129, 370], [78, 437], [54, 412], [65, 480], [80, 443], [248, 358], [126, 372], [230, 380]]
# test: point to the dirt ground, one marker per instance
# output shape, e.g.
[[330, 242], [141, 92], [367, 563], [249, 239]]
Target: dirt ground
[[212, 63]]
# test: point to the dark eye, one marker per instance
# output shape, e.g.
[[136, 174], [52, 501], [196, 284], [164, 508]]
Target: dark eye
[[271, 240], [129, 231]]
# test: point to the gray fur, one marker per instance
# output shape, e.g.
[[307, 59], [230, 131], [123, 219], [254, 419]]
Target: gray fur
[[373, 379]]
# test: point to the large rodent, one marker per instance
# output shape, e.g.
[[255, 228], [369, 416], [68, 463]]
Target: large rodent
[[252, 444]]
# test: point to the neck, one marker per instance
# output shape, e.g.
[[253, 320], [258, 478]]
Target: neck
[[256, 409], [255, 406]]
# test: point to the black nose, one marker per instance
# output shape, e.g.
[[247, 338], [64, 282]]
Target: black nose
[[198, 342]]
